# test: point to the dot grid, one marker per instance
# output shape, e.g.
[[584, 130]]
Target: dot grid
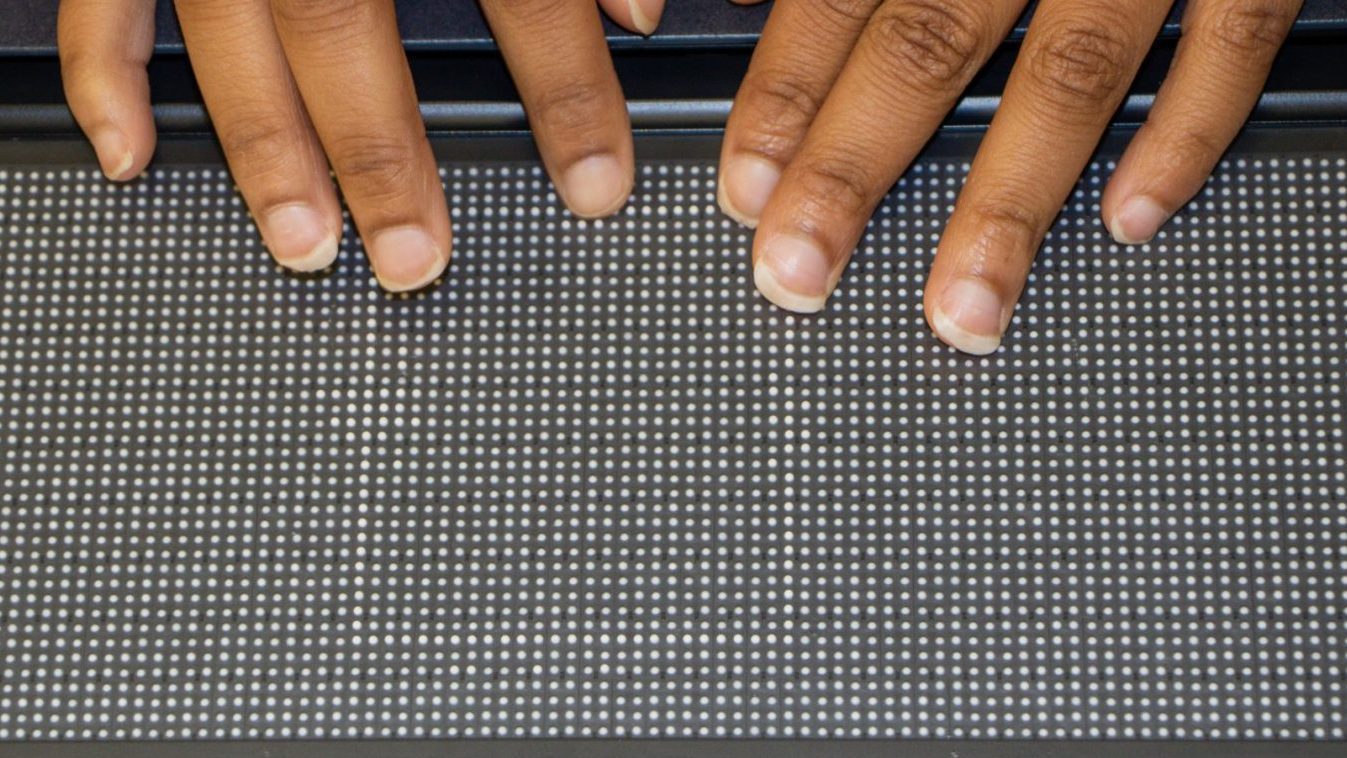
[[593, 485]]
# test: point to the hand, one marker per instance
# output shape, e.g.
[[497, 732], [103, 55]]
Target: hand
[[292, 85], [842, 94]]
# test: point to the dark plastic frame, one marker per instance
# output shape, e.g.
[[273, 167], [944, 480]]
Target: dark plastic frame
[[46, 120], [457, 25]]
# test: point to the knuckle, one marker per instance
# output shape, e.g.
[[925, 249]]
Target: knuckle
[[541, 14], [377, 168], [782, 104], [81, 72], [1080, 64], [578, 106], [1190, 143], [257, 144], [91, 72], [321, 16], [849, 10], [936, 43], [836, 184], [75, 59], [1010, 228], [1251, 26], [1187, 146]]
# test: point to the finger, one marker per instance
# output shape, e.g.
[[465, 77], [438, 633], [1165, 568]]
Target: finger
[[348, 63], [641, 16], [104, 46], [909, 66], [265, 133], [800, 54], [559, 59], [1221, 65], [1073, 70]]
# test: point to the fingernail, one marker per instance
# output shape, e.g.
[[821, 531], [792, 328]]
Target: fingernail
[[645, 14], [114, 152], [968, 316], [299, 238], [745, 187], [596, 186], [405, 258], [794, 274], [1138, 221]]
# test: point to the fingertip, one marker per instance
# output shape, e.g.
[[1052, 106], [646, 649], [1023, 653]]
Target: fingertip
[[639, 16], [597, 186], [320, 256], [115, 155], [769, 285], [727, 207], [299, 237], [745, 186], [118, 124], [1137, 220], [794, 273], [645, 14], [968, 315], [951, 333], [406, 258]]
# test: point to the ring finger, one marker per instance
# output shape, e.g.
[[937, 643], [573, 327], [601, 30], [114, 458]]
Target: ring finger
[[265, 133]]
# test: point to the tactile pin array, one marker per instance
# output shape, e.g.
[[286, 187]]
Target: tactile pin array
[[593, 485]]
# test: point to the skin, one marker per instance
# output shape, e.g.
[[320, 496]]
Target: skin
[[296, 88], [839, 98], [842, 94]]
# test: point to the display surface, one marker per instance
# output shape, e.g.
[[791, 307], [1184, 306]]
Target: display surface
[[593, 485]]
